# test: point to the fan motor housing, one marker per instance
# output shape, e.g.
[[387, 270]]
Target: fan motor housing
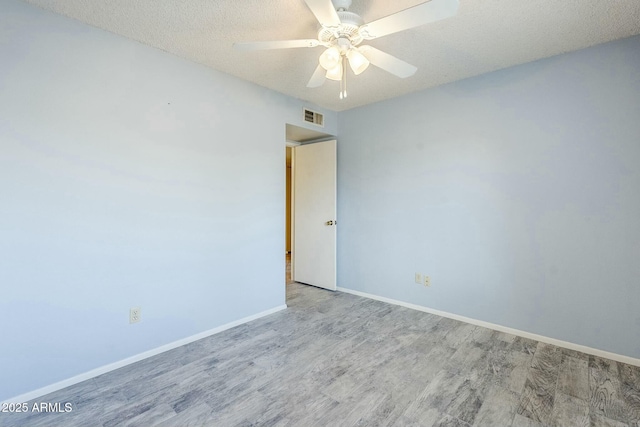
[[349, 28]]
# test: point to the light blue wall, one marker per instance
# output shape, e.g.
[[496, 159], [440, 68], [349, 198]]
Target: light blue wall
[[518, 192], [128, 177]]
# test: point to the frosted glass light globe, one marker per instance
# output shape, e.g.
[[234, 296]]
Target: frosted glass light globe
[[357, 61], [335, 73], [330, 58]]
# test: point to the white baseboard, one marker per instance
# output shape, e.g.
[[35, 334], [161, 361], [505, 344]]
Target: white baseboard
[[129, 360], [565, 344]]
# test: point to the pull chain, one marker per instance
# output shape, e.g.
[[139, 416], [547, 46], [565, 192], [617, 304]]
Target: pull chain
[[343, 80]]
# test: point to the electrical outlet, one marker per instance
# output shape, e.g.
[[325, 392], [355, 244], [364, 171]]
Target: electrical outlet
[[427, 280], [418, 278], [134, 315]]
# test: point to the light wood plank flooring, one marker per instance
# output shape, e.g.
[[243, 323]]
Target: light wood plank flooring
[[334, 359]]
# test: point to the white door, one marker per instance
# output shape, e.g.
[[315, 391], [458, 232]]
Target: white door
[[314, 214]]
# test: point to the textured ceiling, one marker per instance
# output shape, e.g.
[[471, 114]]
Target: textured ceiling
[[484, 36]]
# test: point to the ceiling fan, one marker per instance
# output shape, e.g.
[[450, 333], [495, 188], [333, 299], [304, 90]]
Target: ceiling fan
[[342, 32]]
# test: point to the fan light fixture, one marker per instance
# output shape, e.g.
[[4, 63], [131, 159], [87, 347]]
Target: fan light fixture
[[335, 59]]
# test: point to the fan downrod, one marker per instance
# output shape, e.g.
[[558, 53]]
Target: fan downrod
[[341, 5]]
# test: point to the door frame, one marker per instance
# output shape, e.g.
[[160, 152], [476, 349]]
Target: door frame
[[292, 204]]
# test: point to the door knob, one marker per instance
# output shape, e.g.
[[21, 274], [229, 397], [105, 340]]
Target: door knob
[[329, 223]]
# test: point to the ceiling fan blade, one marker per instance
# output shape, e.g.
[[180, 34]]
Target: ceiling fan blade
[[317, 79], [415, 16], [324, 12], [278, 44], [387, 62]]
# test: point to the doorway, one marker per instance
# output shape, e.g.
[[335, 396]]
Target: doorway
[[295, 136]]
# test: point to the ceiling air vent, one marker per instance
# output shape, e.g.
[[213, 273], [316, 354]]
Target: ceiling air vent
[[313, 117]]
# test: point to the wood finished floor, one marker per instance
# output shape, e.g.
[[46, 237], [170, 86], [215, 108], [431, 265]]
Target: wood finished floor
[[335, 359]]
